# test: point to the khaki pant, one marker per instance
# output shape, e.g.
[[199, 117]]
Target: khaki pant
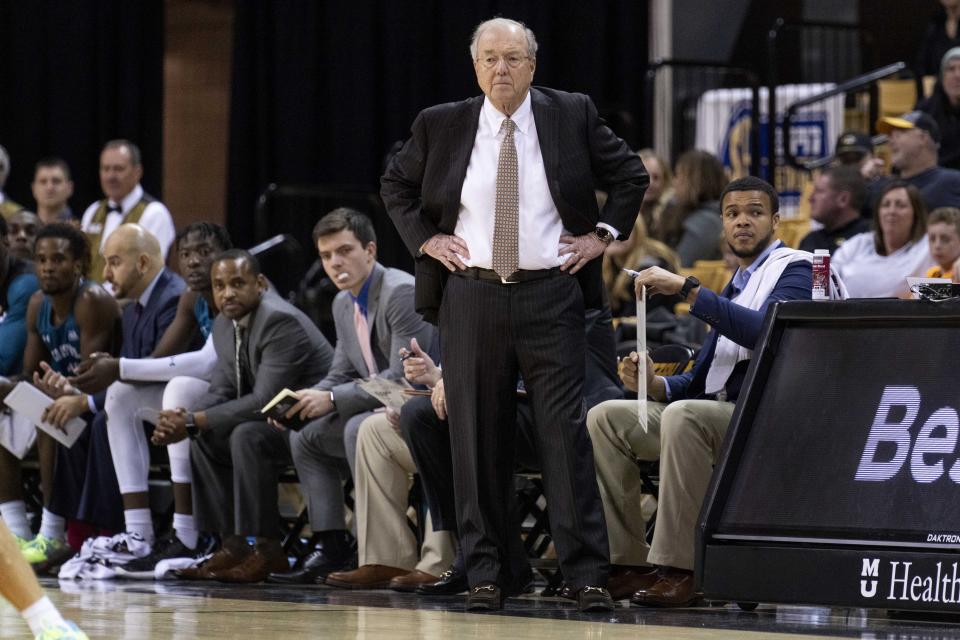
[[686, 435], [384, 470]]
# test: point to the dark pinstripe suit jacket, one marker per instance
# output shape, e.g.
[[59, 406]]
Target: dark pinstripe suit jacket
[[421, 187]]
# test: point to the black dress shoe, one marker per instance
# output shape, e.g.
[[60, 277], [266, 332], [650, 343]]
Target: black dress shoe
[[594, 599], [486, 596], [451, 582], [314, 569]]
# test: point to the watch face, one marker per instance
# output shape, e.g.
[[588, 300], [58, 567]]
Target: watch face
[[604, 234]]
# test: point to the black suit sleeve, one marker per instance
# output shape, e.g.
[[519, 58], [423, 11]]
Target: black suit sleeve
[[401, 189], [618, 170]]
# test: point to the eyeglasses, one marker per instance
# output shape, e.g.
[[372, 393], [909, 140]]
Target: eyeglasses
[[513, 60]]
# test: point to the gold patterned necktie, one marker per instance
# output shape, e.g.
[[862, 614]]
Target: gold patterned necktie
[[506, 211]]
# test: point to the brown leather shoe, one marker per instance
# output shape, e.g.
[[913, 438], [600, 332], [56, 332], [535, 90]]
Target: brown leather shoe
[[626, 581], [254, 568], [674, 588], [369, 576], [409, 582], [220, 561]]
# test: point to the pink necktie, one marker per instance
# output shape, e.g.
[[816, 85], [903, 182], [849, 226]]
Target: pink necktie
[[363, 337]]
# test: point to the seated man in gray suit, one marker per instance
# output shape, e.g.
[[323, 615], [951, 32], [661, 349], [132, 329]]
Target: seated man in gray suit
[[374, 316], [263, 344]]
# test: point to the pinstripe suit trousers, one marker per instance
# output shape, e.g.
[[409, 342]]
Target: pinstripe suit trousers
[[490, 332]]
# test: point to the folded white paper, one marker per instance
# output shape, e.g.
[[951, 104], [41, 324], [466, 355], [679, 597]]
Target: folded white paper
[[390, 393], [31, 402], [17, 433]]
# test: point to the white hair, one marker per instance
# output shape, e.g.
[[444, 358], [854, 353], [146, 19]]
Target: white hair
[[508, 24]]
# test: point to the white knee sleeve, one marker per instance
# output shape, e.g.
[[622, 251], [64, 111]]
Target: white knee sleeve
[[182, 391], [128, 444]]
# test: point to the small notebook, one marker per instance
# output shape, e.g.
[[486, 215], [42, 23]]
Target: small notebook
[[278, 407]]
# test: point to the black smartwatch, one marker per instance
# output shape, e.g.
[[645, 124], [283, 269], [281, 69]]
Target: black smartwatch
[[192, 429], [604, 235], [689, 285]]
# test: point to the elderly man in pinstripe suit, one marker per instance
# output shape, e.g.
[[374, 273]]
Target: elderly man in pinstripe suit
[[494, 195]]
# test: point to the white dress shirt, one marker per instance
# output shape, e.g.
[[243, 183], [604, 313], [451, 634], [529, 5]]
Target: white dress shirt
[[156, 219], [540, 226]]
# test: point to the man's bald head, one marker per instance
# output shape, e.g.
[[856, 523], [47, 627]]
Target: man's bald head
[[133, 258]]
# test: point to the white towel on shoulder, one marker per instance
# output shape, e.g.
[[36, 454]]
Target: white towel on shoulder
[[762, 282]]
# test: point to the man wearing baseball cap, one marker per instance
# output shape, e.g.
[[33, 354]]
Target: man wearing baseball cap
[[914, 141], [943, 105]]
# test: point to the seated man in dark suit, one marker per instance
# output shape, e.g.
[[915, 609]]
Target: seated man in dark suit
[[263, 344]]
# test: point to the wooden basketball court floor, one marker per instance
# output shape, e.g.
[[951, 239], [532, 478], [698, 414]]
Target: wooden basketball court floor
[[179, 610]]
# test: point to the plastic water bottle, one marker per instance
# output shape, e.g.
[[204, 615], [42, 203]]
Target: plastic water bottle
[[821, 274]]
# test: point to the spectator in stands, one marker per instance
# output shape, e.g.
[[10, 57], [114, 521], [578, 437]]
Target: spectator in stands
[[17, 284], [263, 345], [52, 188], [944, 107], [659, 192], [68, 319], [940, 36], [837, 198], [7, 206], [21, 235], [690, 413], [375, 317], [637, 252], [125, 201], [691, 223], [914, 139], [876, 264], [856, 149], [943, 234]]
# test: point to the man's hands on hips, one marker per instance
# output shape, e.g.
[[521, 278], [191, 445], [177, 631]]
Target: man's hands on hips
[[582, 249], [447, 249]]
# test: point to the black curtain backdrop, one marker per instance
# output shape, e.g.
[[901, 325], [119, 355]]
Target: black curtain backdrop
[[321, 90], [74, 75]]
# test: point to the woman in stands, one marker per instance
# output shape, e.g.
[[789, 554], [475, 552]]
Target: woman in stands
[[875, 264], [691, 224]]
